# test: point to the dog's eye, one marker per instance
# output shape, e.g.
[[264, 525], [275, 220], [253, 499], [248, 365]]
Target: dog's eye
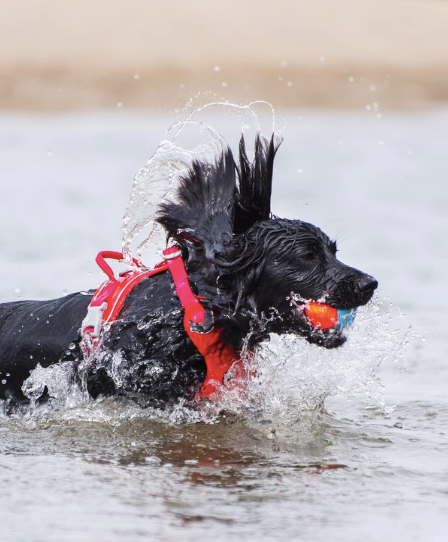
[[308, 257], [311, 252]]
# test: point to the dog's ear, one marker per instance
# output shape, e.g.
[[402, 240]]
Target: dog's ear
[[204, 211], [255, 183]]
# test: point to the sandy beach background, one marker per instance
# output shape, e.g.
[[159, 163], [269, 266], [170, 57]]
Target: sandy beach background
[[295, 53]]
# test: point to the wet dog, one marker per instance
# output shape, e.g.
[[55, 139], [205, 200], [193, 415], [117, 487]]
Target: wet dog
[[253, 270]]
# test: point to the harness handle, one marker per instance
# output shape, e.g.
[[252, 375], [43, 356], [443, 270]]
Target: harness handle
[[111, 255]]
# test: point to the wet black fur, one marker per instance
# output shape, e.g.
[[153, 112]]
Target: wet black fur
[[243, 260]]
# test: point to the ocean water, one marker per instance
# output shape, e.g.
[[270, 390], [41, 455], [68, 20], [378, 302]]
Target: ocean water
[[350, 444]]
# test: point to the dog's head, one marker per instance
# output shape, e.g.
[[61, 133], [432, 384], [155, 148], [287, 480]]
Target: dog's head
[[250, 262]]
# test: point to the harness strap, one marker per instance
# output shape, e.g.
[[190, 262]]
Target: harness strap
[[198, 325], [218, 358], [194, 311], [110, 297]]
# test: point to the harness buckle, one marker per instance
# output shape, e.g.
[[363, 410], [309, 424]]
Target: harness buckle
[[94, 319]]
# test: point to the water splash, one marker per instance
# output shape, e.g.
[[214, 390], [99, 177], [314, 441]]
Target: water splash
[[58, 381], [292, 376], [158, 180], [290, 379]]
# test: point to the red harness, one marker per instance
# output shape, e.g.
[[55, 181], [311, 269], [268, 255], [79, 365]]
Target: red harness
[[109, 299]]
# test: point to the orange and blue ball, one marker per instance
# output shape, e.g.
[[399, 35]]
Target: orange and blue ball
[[323, 316]]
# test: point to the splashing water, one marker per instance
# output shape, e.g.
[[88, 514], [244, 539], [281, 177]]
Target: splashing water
[[158, 180], [289, 378], [292, 376]]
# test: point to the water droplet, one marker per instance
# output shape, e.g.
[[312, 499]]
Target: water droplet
[[368, 107], [182, 85], [223, 84], [280, 77], [120, 104], [136, 76], [378, 115], [8, 374], [289, 83], [372, 88], [31, 357], [322, 58], [306, 204], [49, 152], [299, 170], [351, 79], [3, 381], [17, 290], [216, 68], [283, 63], [380, 142], [153, 460]]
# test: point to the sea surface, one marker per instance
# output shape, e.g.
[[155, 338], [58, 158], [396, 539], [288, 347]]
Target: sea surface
[[344, 445]]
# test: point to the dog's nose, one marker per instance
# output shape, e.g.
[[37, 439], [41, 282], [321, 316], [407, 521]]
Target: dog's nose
[[367, 283]]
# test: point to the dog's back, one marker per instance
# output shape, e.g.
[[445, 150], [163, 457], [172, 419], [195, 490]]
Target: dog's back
[[147, 349], [34, 332]]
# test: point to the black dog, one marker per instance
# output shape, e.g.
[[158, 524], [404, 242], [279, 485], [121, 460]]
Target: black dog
[[243, 261]]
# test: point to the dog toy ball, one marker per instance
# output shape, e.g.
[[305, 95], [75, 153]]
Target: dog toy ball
[[326, 317]]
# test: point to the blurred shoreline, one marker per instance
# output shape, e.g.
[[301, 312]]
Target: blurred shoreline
[[350, 54], [62, 90]]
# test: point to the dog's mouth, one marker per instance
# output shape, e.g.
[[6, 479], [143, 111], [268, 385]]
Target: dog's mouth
[[322, 324]]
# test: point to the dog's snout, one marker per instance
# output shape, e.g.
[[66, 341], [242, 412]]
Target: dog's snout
[[367, 283]]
